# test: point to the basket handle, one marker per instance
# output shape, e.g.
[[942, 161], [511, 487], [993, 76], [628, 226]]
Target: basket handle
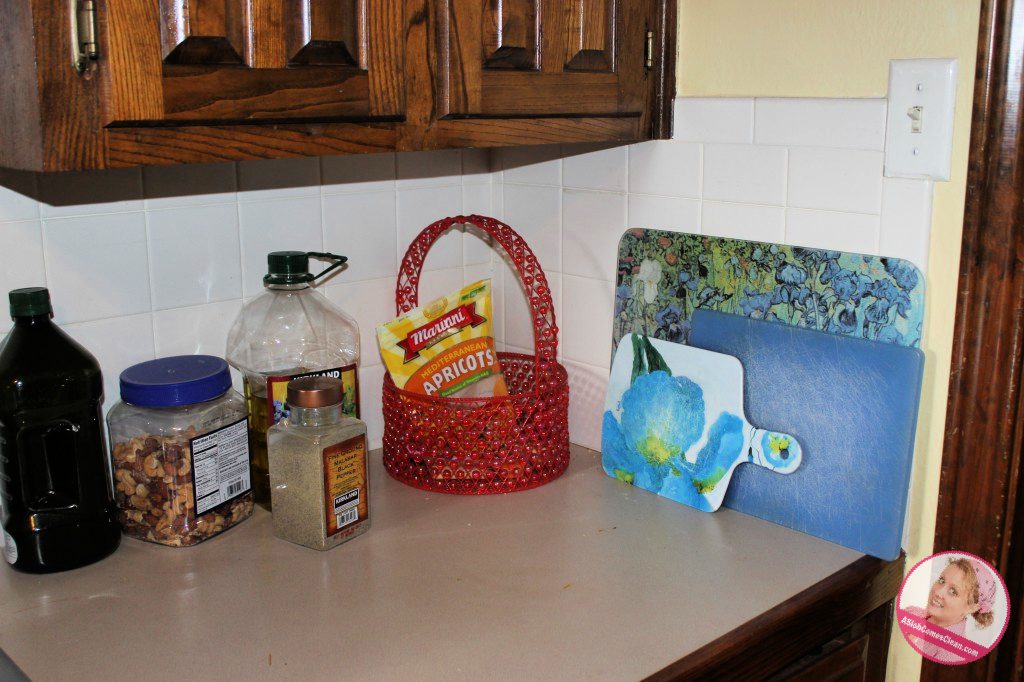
[[538, 293]]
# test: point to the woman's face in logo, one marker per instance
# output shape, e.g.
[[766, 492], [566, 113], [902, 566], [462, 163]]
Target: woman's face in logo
[[949, 600]]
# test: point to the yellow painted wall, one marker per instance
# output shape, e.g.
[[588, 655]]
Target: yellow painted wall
[[842, 48]]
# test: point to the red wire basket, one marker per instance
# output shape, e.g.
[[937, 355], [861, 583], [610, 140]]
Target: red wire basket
[[477, 446]]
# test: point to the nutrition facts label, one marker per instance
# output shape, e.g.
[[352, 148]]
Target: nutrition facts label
[[220, 460]]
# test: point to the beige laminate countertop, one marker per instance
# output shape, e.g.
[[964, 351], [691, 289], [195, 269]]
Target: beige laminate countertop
[[585, 577]]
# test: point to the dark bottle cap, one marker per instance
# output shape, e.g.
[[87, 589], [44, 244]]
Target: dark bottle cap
[[30, 302], [287, 267], [314, 392], [292, 267]]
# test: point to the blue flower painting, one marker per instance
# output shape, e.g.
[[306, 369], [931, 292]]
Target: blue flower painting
[[680, 436], [664, 276]]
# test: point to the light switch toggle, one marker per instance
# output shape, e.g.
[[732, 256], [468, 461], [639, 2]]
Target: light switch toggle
[[915, 114]]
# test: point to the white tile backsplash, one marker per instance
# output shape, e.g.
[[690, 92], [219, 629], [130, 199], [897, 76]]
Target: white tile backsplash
[[592, 224], [744, 221], [517, 312], [745, 173], [853, 232], [587, 324], [24, 238], [798, 171], [371, 382], [97, 266], [117, 343], [197, 329], [283, 225], [906, 219], [362, 227], [370, 303], [835, 179], [594, 167], [587, 386], [713, 119], [836, 123], [194, 255], [18, 192], [666, 167], [535, 212], [663, 213], [420, 207]]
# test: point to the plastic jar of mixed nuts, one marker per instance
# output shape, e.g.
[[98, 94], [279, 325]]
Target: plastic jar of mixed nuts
[[180, 451]]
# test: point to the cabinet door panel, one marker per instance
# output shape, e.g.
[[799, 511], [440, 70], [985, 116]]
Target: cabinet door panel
[[543, 57], [511, 34], [236, 61], [203, 31], [591, 40]]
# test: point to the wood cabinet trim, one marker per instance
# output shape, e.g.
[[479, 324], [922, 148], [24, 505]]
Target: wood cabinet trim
[[781, 635], [980, 508]]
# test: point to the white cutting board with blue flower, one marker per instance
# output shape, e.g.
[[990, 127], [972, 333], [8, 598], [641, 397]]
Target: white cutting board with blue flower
[[674, 423]]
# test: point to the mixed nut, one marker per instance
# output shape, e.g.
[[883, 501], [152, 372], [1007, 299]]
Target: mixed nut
[[155, 494]]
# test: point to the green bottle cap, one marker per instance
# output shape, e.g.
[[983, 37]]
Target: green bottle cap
[[287, 267], [30, 302], [292, 267]]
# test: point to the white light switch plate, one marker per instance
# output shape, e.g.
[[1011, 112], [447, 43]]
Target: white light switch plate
[[919, 126]]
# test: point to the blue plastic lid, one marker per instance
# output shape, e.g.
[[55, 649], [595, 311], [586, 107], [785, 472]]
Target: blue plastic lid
[[174, 381]]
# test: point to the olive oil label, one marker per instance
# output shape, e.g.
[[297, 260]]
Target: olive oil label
[[346, 496], [277, 391]]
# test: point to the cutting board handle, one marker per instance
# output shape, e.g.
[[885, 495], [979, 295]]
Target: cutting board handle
[[778, 452]]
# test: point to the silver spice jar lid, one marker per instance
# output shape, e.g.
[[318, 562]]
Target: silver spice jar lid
[[314, 392]]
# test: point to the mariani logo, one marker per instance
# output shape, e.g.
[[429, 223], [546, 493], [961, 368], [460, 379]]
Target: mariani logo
[[434, 331]]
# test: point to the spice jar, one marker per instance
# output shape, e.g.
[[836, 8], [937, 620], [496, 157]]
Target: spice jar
[[180, 451], [319, 483]]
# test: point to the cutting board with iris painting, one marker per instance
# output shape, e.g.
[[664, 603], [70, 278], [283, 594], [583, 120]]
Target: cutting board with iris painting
[[852, 404], [664, 276], [674, 423]]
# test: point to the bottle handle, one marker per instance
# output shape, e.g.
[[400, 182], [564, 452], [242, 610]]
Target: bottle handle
[[322, 255]]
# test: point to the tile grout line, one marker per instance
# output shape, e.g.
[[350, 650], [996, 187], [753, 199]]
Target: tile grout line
[[149, 276], [241, 230], [700, 189], [785, 197]]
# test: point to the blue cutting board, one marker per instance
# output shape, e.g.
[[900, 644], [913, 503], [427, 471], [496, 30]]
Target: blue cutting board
[[852, 403]]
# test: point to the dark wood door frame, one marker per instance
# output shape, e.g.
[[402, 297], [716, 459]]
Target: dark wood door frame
[[979, 509]]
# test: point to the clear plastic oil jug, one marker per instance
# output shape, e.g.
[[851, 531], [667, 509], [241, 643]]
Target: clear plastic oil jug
[[289, 331]]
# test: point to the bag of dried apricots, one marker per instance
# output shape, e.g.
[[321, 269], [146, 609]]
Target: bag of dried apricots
[[445, 348]]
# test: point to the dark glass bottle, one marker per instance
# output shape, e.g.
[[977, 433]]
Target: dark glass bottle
[[58, 511]]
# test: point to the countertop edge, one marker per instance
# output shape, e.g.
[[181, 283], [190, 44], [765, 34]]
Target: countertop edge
[[776, 638]]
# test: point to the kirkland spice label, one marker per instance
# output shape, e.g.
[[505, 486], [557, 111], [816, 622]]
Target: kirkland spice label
[[277, 391], [346, 498], [952, 608], [220, 463]]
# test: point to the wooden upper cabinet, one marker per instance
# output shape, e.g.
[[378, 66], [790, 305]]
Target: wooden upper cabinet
[[114, 83], [545, 57], [243, 61]]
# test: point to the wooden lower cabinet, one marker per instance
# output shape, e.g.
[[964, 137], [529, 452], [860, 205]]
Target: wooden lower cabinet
[[837, 631], [113, 83], [858, 654]]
